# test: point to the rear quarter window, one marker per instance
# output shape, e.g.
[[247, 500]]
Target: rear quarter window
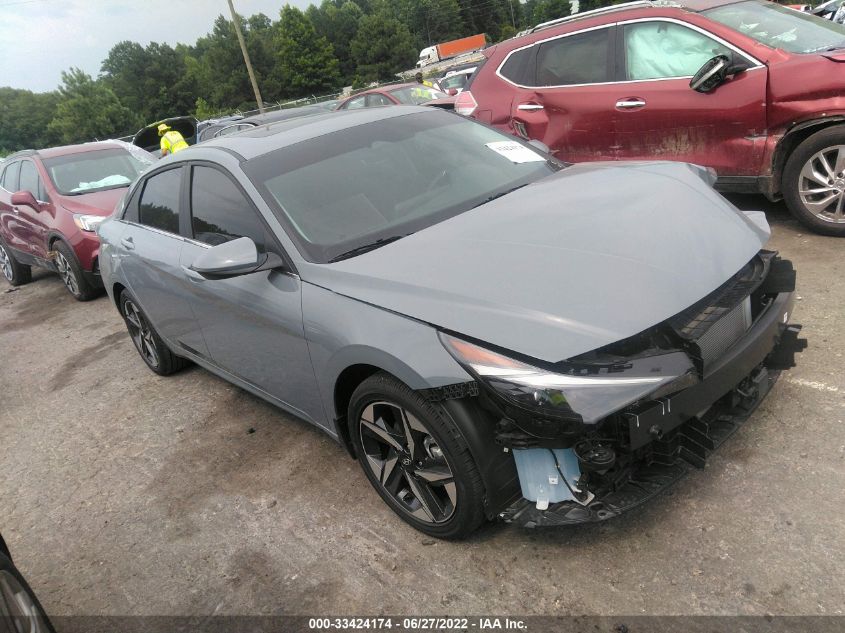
[[517, 68]]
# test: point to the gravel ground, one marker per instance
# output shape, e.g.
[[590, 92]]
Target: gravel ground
[[124, 493]]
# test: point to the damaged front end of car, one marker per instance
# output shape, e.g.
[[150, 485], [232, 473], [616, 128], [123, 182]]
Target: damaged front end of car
[[603, 432]]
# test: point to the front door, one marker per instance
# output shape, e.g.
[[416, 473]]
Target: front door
[[659, 117], [37, 220], [252, 324]]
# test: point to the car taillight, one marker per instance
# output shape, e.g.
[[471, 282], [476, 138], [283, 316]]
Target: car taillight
[[465, 104]]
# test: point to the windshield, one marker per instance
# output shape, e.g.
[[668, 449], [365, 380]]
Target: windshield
[[389, 178], [780, 27], [417, 95], [85, 172]]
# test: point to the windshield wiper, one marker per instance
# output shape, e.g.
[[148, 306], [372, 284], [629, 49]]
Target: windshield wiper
[[500, 194], [364, 248]]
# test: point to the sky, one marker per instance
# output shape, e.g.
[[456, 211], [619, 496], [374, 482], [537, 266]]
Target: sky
[[41, 38]]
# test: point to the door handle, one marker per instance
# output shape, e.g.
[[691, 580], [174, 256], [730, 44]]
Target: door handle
[[16, 210], [628, 104], [529, 107], [128, 243]]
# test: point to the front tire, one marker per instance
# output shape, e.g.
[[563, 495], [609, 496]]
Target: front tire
[[415, 458], [814, 182], [71, 273], [14, 272], [152, 349]]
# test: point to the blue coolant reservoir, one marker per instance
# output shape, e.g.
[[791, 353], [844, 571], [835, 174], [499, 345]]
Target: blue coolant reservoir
[[541, 479]]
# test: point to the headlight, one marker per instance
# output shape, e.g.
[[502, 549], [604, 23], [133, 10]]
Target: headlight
[[88, 223], [578, 395]]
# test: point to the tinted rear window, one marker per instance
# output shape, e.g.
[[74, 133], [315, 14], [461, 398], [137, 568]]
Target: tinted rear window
[[517, 67], [576, 59], [159, 205], [10, 177]]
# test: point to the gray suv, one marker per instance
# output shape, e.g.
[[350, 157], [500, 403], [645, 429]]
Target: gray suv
[[491, 333]]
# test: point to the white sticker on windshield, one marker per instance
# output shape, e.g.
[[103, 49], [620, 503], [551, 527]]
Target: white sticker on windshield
[[515, 152]]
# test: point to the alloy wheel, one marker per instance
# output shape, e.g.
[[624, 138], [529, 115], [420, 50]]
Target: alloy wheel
[[821, 184], [407, 462], [5, 263], [66, 273], [141, 333]]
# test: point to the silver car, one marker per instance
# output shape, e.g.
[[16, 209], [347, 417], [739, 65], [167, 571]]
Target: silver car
[[490, 332]]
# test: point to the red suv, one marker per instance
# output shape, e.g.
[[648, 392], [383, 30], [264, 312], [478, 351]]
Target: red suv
[[51, 202], [752, 89]]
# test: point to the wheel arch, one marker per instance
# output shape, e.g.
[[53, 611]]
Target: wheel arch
[[796, 135], [476, 426], [117, 290]]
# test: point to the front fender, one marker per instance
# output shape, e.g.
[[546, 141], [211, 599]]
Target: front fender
[[342, 332]]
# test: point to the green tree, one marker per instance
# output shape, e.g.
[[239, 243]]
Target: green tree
[[305, 62], [429, 21], [88, 110], [338, 23], [24, 117], [485, 16], [382, 47]]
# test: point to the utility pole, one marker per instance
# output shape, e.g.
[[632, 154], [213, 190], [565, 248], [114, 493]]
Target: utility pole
[[240, 35]]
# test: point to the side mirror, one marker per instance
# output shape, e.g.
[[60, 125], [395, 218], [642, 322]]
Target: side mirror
[[232, 259], [712, 74], [24, 199], [452, 92]]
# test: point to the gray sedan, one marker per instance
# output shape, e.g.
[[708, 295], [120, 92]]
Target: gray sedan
[[490, 332]]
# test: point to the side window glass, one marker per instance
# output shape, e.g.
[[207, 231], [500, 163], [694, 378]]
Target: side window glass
[[377, 99], [130, 211], [10, 177], [516, 68], [576, 59], [220, 212], [357, 102], [29, 180], [159, 204], [659, 50]]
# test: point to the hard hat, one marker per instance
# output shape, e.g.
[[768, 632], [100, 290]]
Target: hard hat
[[163, 128]]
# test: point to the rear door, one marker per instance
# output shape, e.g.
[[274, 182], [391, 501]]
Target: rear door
[[252, 324], [149, 252], [564, 93], [658, 116]]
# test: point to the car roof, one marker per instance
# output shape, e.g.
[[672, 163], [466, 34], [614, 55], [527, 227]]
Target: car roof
[[262, 139], [65, 150], [689, 5], [281, 115]]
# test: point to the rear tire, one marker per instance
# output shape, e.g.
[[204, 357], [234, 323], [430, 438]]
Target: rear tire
[[13, 271], [415, 458], [71, 273], [152, 349], [813, 182]]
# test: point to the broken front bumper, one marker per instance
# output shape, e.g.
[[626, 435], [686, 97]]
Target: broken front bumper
[[678, 432]]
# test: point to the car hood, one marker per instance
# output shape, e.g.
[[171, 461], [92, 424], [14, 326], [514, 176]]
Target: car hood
[[593, 254], [94, 203]]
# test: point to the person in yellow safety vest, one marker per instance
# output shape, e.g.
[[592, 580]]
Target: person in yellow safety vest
[[171, 140], [424, 82]]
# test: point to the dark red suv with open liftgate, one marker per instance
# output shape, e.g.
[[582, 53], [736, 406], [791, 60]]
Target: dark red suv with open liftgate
[[750, 88], [51, 202]]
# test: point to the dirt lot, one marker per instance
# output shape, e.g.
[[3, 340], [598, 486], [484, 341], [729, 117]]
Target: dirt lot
[[126, 493]]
